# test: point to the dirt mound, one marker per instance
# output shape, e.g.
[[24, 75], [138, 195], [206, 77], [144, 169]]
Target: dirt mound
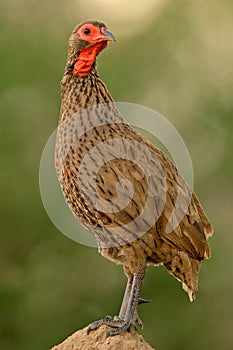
[[96, 340]]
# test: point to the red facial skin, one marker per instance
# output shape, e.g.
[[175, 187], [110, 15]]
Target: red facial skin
[[88, 55]]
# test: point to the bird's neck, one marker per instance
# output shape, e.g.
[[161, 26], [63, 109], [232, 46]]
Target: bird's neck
[[82, 92]]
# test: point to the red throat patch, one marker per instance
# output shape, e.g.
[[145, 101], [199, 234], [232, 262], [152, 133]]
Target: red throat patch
[[87, 57]]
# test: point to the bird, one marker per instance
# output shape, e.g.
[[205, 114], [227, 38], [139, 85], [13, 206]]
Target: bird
[[122, 188]]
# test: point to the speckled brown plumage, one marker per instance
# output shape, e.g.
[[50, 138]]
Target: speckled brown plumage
[[85, 101]]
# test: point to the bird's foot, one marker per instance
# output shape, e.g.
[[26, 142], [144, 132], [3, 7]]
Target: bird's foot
[[115, 322], [120, 325], [108, 320]]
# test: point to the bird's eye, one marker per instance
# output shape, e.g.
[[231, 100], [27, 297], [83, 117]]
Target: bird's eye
[[86, 31]]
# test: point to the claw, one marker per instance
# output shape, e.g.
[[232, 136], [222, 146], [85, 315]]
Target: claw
[[139, 322], [143, 301]]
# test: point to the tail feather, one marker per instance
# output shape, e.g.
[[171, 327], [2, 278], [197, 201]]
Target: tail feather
[[185, 269]]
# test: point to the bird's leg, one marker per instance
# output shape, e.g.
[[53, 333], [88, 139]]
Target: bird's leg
[[128, 314], [131, 314], [125, 300]]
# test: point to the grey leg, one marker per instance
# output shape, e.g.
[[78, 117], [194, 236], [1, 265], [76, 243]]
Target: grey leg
[[128, 314], [125, 301], [131, 316]]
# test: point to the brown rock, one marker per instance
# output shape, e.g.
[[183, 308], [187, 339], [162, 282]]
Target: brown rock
[[97, 340]]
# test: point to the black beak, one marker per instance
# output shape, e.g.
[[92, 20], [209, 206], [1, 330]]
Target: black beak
[[109, 35]]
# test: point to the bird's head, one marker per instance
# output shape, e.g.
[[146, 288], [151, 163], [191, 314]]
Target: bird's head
[[87, 40]]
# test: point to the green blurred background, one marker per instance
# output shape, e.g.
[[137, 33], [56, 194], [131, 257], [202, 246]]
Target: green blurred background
[[173, 56]]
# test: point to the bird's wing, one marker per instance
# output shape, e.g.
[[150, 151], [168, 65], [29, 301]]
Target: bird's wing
[[186, 224], [158, 187]]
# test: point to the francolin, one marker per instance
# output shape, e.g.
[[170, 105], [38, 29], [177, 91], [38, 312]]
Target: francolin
[[121, 187]]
